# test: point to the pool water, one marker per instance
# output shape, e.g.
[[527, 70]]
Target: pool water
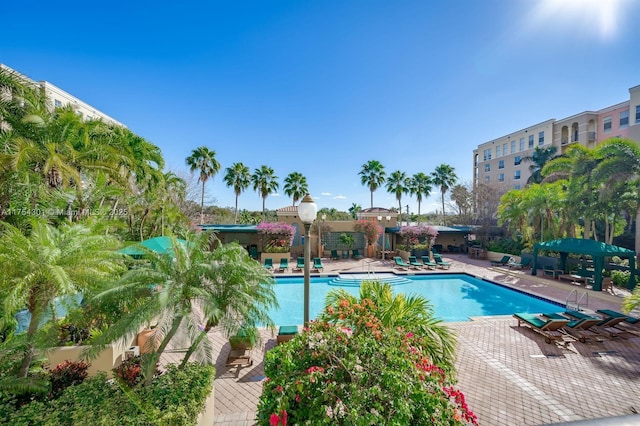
[[455, 297]]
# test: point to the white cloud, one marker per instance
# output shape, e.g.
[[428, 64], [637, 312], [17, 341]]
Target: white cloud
[[339, 197], [326, 194]]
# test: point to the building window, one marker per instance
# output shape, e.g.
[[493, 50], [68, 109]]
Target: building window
[[487, 154], [487, 167], [516, 175], [504, 149], [513, 146], [487, 179], [501, 164], [637, 113], [530, 141], [57, 103], [541, 138], [517, 160], [606, 124], [521, 144], [624, 119], [517, 186], [501, 177]]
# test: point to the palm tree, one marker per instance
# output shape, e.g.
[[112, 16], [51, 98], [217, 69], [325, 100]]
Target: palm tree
[[354, 209], [398, 184], [48, 262], [445, 177], [411, 312], [373, 176], [203, 160], [224, 286], [295, 185], [265, 182], [420, 186], [538, 159], [238, 177]]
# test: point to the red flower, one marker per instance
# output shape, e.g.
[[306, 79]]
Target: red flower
[[274, 420]]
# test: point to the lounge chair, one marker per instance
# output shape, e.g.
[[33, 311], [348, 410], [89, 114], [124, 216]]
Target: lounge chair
[[356, 254], [334, 255], [606, 325], [549, 328], [525, 263], [629, 325], [284, 264], [268, 263], [399, 263], [299, 264], [413, 262], [502, 262], [550, 270], [317, 264], [580, 328], [441, 263], [286, 333], [428, 263], [239, 358]]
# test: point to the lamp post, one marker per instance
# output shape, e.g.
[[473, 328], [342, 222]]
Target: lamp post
[[307, 211]]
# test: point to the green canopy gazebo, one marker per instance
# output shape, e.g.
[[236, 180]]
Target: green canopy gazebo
[[158, 244], [596, 249]]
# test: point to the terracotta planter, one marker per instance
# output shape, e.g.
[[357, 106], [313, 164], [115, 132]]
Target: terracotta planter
[[143, 340]]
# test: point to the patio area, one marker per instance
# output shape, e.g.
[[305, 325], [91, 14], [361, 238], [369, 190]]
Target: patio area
[[508, 374]]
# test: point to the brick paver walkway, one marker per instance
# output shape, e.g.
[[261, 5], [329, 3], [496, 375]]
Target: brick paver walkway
[[509, 375]]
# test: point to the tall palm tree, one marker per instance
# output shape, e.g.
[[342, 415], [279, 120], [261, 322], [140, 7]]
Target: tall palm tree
[[354, 209], [420, 186], [411, 312], [238, 177], [538, 159], [224, 286], [445, 177], [203, 160], [373, 176], [295, 185], [265, 182], [398, 184], [48, 262]]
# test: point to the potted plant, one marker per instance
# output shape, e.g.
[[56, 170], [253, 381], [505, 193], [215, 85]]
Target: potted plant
[[348, 241], [246, 337], [371, 231]]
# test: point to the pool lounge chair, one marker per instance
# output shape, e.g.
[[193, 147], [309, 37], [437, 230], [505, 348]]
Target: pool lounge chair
[[549, 328], [284, 264], [334, 255], [317, 264], [629, 325], [399, 263], [582, 329], [441, 263], [356, 254], [299, 264], [268, 263], [607, 324], [502, 262], [413, 262], [525, 263], [286, 333], [428, 263]]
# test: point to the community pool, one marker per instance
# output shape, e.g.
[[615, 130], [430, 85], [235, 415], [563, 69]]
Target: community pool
[[455, 297]]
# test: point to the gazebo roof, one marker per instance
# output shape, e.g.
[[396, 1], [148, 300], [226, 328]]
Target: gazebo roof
[[584, 246]]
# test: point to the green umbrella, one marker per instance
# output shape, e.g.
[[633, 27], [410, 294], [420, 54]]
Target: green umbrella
[[157, 244]]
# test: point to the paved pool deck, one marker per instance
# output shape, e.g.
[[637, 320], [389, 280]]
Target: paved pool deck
[[508, 374]]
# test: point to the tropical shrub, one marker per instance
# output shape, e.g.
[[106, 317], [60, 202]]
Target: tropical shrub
[[506, 245], [67, 373], [370, 229], [277, 237], [418, 234], [363, 373]]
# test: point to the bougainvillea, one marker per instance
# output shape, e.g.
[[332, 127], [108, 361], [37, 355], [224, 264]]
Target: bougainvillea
[[369, 228], [277, 237], [419, 234], [356, 371]]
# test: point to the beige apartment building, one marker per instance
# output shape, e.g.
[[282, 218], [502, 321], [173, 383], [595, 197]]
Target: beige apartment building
[[498, 163], [59, 98]]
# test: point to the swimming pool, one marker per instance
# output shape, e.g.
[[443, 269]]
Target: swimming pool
[[455, 297]]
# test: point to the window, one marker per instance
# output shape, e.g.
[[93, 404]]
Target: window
[[530, 141], [487, 179], [606, 124], [501, 164], [541, 138], [517, 186], [487, 167], [501, 177], [516, 175], [624, 118], [521, 144], [517, 160], [57, 103], [513, 146], [637, 113], [504, 149], [487, 154]]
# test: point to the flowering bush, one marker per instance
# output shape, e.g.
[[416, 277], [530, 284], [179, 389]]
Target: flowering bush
[[414, 235], [370, 229], [277, 237], [347, 368], [65, 374]]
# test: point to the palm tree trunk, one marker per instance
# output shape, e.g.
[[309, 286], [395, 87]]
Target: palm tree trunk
[[400, 212], [202, 205], [444, 220], [31, 331], [195, 345], [371, 199], [155, 356], [235, 217]]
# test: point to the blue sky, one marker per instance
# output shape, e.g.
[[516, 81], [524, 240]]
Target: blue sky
[[321, 87]]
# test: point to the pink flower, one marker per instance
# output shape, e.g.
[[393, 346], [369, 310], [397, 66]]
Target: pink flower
[[409, 335], [274, 420]]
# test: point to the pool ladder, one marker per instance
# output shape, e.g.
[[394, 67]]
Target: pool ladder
[[573, 297]]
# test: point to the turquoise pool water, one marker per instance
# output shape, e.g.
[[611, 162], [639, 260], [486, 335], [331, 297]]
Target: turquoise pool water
[[455, 297]]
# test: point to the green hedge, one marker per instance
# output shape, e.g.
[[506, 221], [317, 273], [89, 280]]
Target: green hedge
[[175, 398]]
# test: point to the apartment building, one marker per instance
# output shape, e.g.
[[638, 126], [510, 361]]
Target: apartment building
[[498, 163], [59, 98]]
